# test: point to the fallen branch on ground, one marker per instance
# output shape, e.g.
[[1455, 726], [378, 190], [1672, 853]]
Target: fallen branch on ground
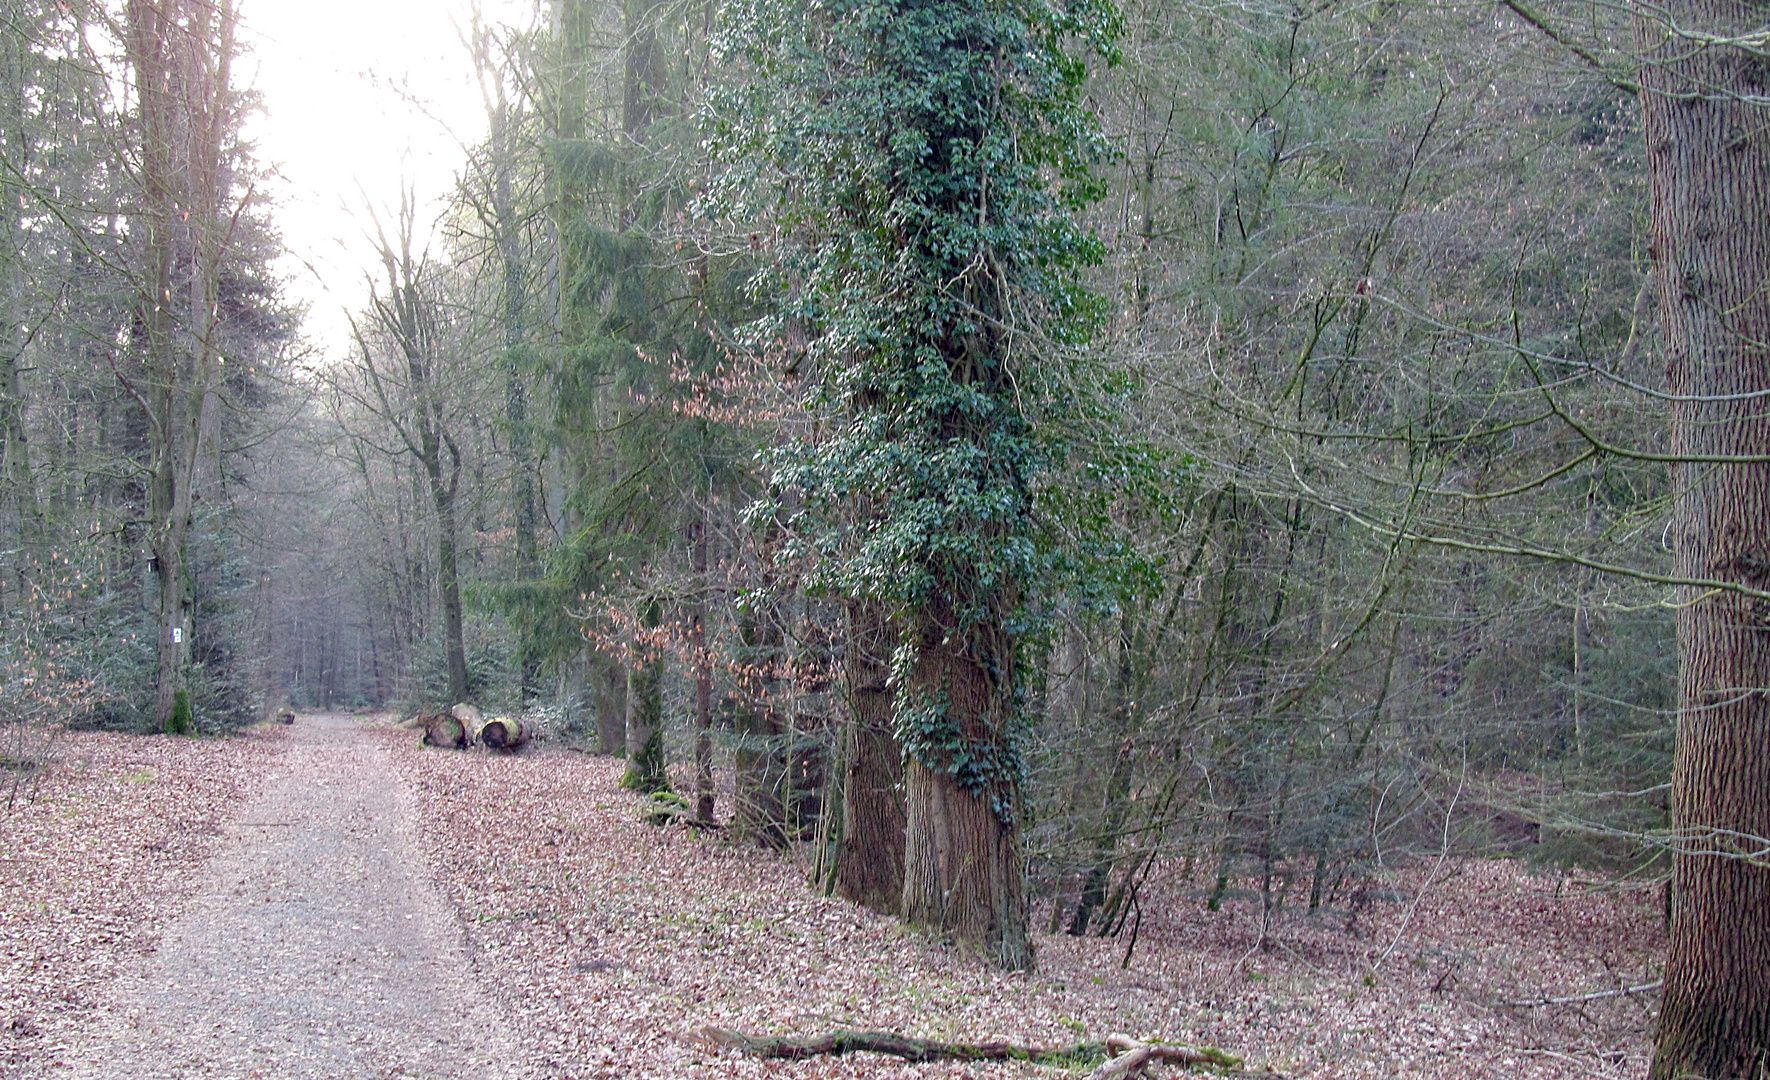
[[1120, 1055], [1128, 1057], [1600, 995]]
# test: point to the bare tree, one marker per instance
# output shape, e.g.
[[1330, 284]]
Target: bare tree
[[407, 383], [181, 52]]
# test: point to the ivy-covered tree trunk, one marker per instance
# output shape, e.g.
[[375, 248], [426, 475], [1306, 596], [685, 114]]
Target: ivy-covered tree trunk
[[963, 866], [1708, 162], [647, 766], [936, 150], [869, 870]]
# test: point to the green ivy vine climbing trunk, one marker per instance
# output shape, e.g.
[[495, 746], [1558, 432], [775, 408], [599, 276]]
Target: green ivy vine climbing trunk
[[926, 157]]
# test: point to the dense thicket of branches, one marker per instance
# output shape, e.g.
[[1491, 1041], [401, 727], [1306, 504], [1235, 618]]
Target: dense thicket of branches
[[142, 354]]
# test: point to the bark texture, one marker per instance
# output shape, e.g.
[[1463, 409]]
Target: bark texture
[[870, 869], [1709, 169], [181, 53], [964, 868]]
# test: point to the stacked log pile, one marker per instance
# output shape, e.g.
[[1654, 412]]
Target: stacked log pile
[[464, 725]]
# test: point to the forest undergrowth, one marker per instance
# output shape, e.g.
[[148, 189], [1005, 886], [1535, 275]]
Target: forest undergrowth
[[615, 942], [612, 943]]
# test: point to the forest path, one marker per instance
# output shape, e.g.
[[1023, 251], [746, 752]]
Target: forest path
[[315, 947]]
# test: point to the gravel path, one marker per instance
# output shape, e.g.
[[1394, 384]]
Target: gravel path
[[314, 948]]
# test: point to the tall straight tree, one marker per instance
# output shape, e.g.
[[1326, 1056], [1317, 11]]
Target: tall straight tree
[[181, 54], [412, 391], [928, 157], [1703, 86]]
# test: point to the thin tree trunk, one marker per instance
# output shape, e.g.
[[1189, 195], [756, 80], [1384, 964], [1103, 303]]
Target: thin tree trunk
[[449, 586], [1115, 808], [761, 764], [19, 486], [646, 765], [1709, 173], [507, 224], [703, 684]]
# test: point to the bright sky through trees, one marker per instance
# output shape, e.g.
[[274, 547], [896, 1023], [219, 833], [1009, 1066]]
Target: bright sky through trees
[[359, 97]]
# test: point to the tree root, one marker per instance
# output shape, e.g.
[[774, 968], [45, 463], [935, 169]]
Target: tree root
[[1119, 1055]]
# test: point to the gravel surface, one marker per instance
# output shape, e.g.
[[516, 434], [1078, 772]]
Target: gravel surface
[[315, 947]]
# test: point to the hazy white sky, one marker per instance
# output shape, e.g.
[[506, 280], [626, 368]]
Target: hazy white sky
[[360, 98]]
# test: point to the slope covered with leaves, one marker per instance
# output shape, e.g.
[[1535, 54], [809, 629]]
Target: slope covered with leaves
[[613, 943]]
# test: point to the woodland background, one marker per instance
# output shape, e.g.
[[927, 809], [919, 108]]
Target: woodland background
[[1359, 549]]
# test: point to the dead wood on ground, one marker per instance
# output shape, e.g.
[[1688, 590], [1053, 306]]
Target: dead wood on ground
[[1119, 1055], [442, 729]]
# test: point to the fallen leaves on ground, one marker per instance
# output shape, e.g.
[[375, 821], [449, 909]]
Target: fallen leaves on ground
[[95, 864], [611, 942]]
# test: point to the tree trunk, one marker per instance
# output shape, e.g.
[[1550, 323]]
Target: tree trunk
[[449, 584], [1118, 784], [761, 764], [18, 487], [1709, 173], [507, 221], [609, 686], [869, 871], [964, 869], [703, 684], [181, 52], [647, 771]]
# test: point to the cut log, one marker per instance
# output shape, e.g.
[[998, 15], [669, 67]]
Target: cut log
[[444, 730], [503, 733], [285, 715], [470, 717], [1119, 1055]]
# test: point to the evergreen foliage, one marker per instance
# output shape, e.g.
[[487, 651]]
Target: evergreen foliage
[[924, 163]]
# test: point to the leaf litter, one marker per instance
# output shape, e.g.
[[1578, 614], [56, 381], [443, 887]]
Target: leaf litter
[[610, 943]]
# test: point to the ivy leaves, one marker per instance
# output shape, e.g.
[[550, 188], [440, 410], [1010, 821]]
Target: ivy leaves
[[925, 159]]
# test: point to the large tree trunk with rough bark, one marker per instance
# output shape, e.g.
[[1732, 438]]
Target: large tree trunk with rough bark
[[181, 52], [964, 868], [1709, 168], [870, 869]]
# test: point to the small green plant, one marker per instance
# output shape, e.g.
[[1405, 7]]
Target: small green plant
[[181, 721]]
